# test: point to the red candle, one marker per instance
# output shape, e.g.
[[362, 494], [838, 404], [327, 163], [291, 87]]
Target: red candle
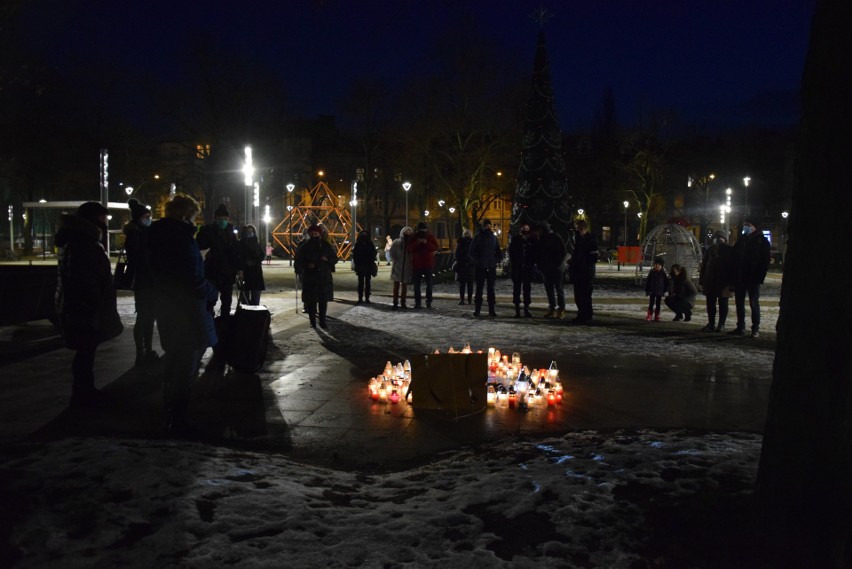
[[551, 399]]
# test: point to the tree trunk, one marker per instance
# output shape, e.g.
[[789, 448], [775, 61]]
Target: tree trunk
[[804, 483]]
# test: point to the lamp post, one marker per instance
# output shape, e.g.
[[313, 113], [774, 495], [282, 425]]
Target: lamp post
[[248, 173], [784, 216], [746, 211], [726, 209], [626, 205], [290, 188], [354, 204], [266, 220], [44, 230], [11, 229], [441, 204], [406, 186]]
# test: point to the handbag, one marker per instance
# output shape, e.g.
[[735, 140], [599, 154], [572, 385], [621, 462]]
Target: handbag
[[374, 270], [123, 277]]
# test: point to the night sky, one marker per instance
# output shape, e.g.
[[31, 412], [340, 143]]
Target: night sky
[[715, 60]]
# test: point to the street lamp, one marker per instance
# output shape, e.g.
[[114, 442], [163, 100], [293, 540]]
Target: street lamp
[[784, 215], [354, 204], [626, 205], [266, 220], [248, 173], [43, 230], [406, 186], [290, 188], [12, 229], [726, 216], [441, 204], [746, 211]]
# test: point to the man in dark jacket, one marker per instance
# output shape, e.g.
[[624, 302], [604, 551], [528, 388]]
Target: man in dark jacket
[[485, 255], [751, 261], [85, 296], [184, 304], [551, 254], [522, 265], [223, 258], [581, 269]]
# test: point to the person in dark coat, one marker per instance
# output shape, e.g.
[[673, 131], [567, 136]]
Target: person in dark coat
[[715, 279], [222, 261], [751, 262], [184, 304], [681, 299], [551, 255], [464, 269], [522, 265], [85, 296], [656, 287], [315, 261], [485, 255], [136, 246], [251, 264], [581, 269], [422, 247], [364, 260]]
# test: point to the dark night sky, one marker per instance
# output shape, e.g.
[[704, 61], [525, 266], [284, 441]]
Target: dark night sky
[[719, 60]]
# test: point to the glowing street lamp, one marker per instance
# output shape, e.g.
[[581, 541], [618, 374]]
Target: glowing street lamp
[[784, 216], [290, 188], [746, 211], [626, 205], [248, 174], [406, 186]]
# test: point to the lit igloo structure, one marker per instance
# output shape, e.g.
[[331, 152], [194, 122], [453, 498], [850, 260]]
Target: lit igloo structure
[[675, 244]]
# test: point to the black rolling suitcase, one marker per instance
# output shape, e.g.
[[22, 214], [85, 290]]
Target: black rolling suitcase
[[248, 337]]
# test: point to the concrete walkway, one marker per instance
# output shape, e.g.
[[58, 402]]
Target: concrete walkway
[[310, 402]]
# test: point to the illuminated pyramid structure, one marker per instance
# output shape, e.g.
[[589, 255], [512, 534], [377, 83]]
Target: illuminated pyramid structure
[[318, 206]]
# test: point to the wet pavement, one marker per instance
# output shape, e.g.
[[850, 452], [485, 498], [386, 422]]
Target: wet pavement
[[310, 399]]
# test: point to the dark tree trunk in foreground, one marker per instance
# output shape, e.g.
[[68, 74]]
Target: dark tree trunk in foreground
[[804, 484]]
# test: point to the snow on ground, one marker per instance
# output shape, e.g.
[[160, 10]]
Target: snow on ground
[[582, 500], [586, 499]]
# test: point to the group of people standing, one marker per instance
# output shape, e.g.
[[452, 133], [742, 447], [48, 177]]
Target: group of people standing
[[478, 257], [174, 284]]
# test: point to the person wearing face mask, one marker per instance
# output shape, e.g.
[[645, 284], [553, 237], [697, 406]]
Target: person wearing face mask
[[223, 258], [751, 262], [85, 296], [251, 259], [184, 301], [315, 261], [136, 246]]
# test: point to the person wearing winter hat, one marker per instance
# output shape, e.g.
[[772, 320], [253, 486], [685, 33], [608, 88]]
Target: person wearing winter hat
[[401, 270], [715, 280], [315, 261], [752, 254], [485, 254], [85, 296], [422, 247], [581, 268], [222, 261], [656, 287], [138, 265]]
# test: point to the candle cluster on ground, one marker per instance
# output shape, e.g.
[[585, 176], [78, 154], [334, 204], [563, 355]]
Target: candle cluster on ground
[[510, 383], [392, 385]]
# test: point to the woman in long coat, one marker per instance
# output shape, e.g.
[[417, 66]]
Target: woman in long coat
[[364, 259], [185, 301], [251, 264], [315, 261], [85, 296], [401, 270], [136, 246], [716, 279]]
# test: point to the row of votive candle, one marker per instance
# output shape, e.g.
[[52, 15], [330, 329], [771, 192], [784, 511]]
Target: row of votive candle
[[525, 396], [392, 385]]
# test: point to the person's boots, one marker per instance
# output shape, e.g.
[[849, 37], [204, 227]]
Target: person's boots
[[477, 308], [649, 315], [560, 313], [687, 316], [678, 317], [550, 312], [657, 315], [527, 313], [517, 311], [313, 317], [711, 325], [323, 307], [491, 311]]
